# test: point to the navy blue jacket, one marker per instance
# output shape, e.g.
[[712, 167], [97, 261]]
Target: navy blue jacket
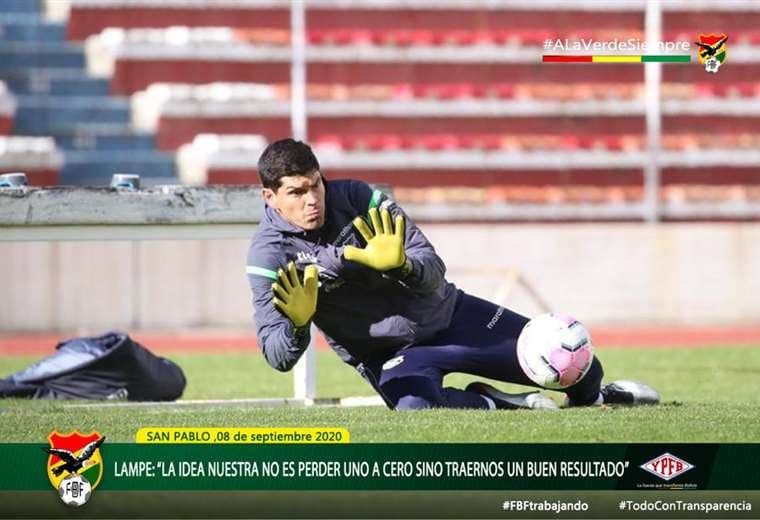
[[365, 314]]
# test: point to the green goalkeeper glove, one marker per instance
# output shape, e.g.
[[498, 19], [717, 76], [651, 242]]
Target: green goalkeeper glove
[[385, 246], [296, 301]]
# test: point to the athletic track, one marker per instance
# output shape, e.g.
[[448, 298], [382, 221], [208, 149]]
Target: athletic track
[[215, 342]]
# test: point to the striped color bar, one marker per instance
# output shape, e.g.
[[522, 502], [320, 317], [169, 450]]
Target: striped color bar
[[646, 58]]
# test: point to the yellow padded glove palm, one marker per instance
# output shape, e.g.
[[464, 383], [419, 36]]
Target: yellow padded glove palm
[[385, 245], [295, 300]]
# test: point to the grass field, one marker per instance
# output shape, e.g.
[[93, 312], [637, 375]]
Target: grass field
[[709, 395]]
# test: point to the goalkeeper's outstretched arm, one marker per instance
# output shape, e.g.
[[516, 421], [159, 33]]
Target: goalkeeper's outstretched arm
[[281, 341], [425, 271]]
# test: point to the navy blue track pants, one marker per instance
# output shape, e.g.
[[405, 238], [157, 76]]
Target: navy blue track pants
[[482, 341]]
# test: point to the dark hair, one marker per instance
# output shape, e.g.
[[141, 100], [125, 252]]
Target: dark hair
[[283, 158]]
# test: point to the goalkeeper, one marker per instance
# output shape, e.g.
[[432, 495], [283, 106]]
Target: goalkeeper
[[348, 259]]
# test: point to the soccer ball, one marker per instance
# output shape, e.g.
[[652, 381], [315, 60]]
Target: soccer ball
[[555, 351], [75, 490]]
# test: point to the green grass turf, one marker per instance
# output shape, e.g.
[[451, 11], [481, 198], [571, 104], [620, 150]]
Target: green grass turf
[[709, 395]]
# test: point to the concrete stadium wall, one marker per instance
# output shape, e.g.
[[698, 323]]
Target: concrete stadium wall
[[627, 274]]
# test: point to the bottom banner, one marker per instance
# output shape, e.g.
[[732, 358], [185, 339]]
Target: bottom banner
[[388, 504]]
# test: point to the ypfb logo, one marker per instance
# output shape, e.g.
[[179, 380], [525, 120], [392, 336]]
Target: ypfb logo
[[712, 51], [75, 465], [666, 466]]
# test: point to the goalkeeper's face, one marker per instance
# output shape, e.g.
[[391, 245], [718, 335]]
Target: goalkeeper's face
[[300, 200]]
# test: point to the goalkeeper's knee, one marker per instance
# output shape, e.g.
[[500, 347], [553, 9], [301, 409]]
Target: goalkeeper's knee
[[414, 402]]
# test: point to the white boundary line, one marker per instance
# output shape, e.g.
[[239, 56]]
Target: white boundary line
[[253, 403]]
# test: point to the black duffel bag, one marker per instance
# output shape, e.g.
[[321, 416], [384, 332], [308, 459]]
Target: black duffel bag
[[111, 366]]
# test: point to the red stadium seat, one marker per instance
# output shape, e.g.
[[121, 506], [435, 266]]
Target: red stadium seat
[[6, 124]]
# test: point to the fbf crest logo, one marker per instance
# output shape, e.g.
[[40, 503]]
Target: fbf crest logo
[[75, 465], [712, 51], [666, 466]]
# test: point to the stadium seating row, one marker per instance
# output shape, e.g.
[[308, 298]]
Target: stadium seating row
[[89, 17], [137, 58], [574, 194], [223, 159], [677, 203], [180, 111], [459, 37], [175, 129], [533, 142], [38, 157], [224, 92], [513, 40]]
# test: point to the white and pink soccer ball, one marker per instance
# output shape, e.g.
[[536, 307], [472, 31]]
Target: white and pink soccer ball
[[555, 350]]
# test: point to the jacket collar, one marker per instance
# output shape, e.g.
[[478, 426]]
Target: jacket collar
[[273, 217]]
